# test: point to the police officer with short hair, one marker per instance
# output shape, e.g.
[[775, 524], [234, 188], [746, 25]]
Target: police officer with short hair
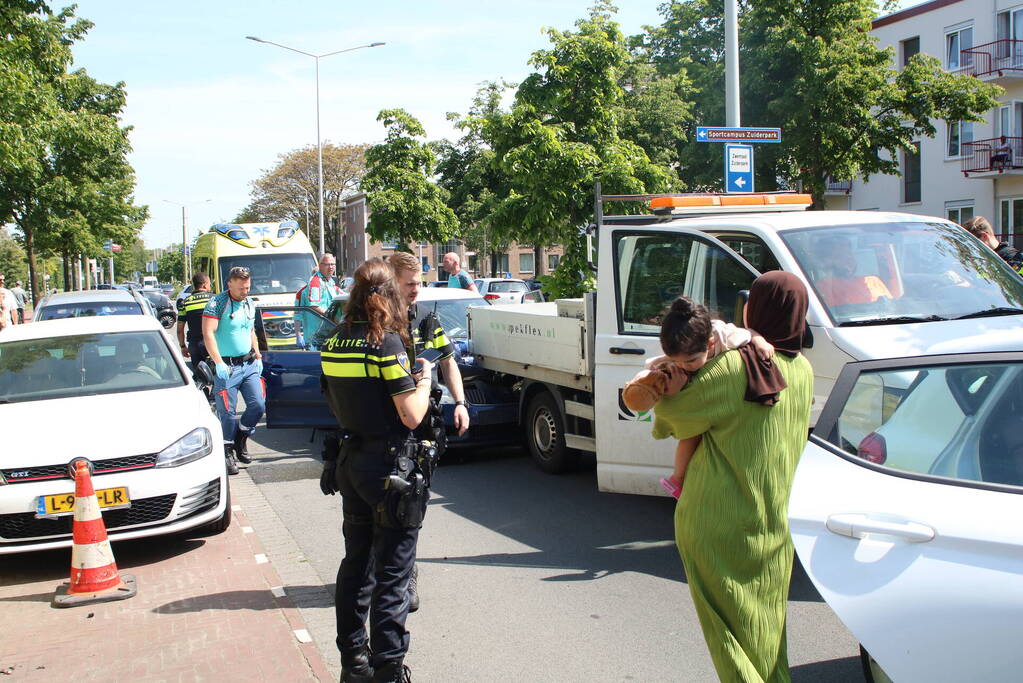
[[378, 400], [190, 315]]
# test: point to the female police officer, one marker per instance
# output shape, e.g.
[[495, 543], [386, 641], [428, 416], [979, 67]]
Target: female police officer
[[377, 401]]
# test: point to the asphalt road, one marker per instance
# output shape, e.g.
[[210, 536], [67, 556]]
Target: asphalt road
[[531, 577]]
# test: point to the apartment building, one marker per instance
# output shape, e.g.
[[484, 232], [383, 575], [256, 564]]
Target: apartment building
[[357, 245], [967, 169]]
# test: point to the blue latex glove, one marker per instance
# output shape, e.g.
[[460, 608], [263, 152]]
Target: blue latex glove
[[259, 365], [223, 372]]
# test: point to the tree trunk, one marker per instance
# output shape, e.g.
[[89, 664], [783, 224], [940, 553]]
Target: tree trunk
[[30, 251], [538, 264]]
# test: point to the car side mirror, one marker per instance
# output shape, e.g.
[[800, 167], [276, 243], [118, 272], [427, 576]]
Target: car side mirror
[[204, 372]]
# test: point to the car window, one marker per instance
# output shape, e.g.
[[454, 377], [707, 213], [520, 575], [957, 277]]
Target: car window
[[753, 249], [955, 421], [863, 273], [283, 328], [453, 315], [82, 365], [272, 273], [506, 287], [654, 269], [89, 309]]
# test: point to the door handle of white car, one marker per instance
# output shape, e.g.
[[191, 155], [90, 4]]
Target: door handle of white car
[[858, 525], [618, 350]]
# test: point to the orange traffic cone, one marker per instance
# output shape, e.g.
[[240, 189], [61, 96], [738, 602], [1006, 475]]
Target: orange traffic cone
[[94, 576]]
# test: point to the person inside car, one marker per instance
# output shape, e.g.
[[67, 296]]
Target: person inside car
[[841, 285]]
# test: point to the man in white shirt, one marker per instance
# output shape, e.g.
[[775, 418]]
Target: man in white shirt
[[8, 305]]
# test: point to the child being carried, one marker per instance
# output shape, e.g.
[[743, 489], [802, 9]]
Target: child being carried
[[689, 338]]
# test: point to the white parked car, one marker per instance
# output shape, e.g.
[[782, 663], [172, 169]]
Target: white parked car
[[906, 512], [74, 388], [89, 303], [501, 291]]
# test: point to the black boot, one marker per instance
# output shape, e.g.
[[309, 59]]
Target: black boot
[[241, 438], [355, 667], [413, 589], [392, 672], [232, 464]]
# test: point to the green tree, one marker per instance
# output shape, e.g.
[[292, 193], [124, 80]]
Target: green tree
[[13, 263], [811, 68], [563, 134], [289, 189], [69, 184], [405, 204], [170, 266]]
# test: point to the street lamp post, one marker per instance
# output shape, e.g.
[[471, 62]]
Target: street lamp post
[[186, 262], [319, 144]]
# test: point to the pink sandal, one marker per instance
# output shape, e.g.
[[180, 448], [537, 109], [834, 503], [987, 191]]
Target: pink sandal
[[671, 487]]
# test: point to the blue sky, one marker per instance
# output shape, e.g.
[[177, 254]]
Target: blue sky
[[211, 110]]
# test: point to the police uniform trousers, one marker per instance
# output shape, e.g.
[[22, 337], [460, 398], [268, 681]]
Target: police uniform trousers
[[372, 581]]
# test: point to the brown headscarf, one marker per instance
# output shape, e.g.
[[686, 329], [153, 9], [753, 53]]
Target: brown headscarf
[[777, 311]]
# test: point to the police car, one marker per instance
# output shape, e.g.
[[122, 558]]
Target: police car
[[71, 389], [292, 371]]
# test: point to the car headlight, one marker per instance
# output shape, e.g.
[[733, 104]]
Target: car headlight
[[194, 445]]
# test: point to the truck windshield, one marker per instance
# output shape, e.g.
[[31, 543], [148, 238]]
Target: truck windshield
[[272, 273], [904, 272]]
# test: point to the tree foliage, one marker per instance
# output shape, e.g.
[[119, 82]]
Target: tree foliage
[[811, 68], [64, 176], [405, 204], [289, 189]]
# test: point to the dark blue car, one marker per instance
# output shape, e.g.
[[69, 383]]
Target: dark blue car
[[289, 337]]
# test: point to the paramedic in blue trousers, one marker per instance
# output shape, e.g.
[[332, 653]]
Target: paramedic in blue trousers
[[228, 328]]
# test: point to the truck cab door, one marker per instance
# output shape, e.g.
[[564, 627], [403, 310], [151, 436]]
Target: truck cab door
[[643, 269], [289, 338]]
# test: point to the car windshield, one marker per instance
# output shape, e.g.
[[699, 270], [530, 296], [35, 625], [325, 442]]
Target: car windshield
[[510, 286], [89, 309], [272, 273], [85, 365], [453, 314], [904, 272]]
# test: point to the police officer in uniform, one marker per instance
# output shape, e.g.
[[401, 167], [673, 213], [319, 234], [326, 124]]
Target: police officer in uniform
[[376, 398], [428, 333], [190, 315]]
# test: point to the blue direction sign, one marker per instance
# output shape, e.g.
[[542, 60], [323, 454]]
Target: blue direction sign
[[738, 168], [716, 134]]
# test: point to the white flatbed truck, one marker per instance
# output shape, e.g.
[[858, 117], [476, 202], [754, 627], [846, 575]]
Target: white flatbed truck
[[570, 359]]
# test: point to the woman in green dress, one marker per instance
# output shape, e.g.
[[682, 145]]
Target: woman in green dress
[[731, 522]]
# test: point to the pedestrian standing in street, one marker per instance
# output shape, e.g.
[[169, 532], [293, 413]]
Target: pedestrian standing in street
[[731, 526], [190, 316], [426, 332], [375, 396], [228, 329], [21, 296], [457, 277], [8, 305], [980, 228], [321, 290]]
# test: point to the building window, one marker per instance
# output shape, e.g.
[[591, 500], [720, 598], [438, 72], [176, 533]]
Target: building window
[[1010, 219], [955, 42], [441, 249], [911, 174], [526, 262], [959, 132], [552, 261], [502, 265], [959, 212], [908, 48]]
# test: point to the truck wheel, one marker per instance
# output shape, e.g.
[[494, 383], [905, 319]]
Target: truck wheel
[[545, 435]]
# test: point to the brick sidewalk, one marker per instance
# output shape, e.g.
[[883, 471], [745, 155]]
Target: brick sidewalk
[[205, 610]]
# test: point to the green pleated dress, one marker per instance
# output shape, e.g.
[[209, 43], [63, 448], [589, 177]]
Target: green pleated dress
[[731, 522]]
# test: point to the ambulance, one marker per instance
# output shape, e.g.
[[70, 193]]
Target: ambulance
[[278, 255]]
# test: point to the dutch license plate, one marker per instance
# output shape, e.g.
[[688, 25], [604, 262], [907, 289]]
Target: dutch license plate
[[64, 503]]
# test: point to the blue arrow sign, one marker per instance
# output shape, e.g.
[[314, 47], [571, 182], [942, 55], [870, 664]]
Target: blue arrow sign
[[747, 135], [738, 168]]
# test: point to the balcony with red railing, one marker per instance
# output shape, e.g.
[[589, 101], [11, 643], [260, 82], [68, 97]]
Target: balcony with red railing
[[991, 156], [998, 59]]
